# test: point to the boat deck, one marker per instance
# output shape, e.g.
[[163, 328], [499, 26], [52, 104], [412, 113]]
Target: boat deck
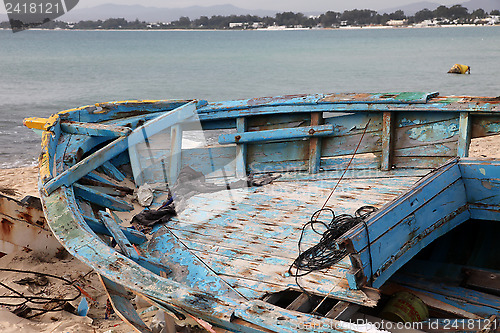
[[249, 237]]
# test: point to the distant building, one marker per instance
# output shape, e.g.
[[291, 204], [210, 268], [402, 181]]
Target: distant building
[[397, 23], [235, 25]]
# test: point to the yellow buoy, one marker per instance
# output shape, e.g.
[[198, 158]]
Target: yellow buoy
[[459, 69]]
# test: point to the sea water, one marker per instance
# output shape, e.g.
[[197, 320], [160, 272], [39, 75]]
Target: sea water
[[43, 72]]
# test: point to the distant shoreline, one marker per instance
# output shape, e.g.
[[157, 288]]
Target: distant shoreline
[[373, 27]]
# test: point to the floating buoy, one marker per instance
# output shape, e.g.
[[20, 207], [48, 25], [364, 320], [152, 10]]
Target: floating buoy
[[459, 69]]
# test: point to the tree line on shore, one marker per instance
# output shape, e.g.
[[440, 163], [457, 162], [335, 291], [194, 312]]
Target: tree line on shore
[[456, 14]]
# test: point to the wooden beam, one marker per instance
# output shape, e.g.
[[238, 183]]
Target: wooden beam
[[241, 149], [277, 134], [342, 311], [111, 223], [135, 237], [111, 171], [93, 129], [175, 153], [387, 141], [101, 199], [301, 304], [482, 280], [464, 134], [315, 144], [118, 297]]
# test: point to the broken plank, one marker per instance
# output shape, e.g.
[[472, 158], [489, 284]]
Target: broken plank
[[118, 296], [135, 237], [110, 221], [111, 171], [101, 199]]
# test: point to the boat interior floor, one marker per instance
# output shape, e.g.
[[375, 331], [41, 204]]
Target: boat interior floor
[[246, 239]]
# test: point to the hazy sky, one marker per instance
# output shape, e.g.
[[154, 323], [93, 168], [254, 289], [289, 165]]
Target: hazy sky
[[278, 5]]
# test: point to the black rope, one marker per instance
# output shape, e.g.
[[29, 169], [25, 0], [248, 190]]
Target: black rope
[[327, 252], [59, 302]]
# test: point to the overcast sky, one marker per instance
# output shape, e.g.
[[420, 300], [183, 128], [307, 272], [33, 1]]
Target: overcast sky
[[278, 5], [293, 5]]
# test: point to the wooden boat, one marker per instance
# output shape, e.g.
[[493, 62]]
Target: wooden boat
[[227, 255]]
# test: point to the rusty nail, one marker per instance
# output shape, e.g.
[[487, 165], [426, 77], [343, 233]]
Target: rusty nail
[[238, 137], [312, 131]]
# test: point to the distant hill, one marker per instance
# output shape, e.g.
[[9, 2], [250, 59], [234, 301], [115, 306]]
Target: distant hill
[[471, 5], [155, 14], [487, 5], [411, 8]]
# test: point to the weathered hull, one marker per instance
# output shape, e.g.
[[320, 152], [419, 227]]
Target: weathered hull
[[225, 257]]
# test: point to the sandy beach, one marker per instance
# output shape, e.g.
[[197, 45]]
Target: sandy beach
[[20, 182]]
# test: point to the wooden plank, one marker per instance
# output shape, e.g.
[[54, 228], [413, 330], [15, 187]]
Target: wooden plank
[[113, 110], [387, 141], [479, 169], [342, 311], [483, 280], [346, 144], [354, 123], [277, 134], [424, 134], [101, 199], [315, 145], [454, 291], [278, 152], [112, 171], [122, 306], [440, 149], [419, 162], [464, 134], [410, 119], [319, 283], [301, 304], [91, 129], [269, 122], [50, 138], [175, 154], [483, 191], [187, 268], [110, 221], [134, 237], [241, 149], [359, 162]]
